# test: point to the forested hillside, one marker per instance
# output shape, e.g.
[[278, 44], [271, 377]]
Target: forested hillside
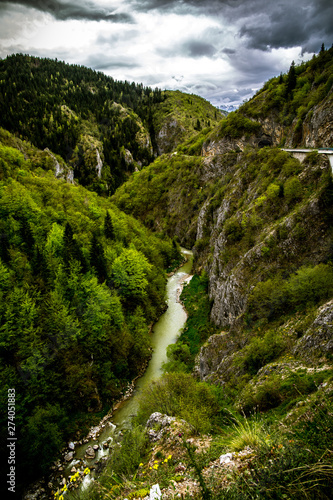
[[102, 128], [80, 284]]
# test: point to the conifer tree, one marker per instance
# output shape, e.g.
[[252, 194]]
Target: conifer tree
[[4, 248], [108, 226], [71, 248], [68, 243], [26, 235], [291, 79], [97, 259]]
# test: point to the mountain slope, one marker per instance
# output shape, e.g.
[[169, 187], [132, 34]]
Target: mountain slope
[[260, 224], [181, 116], [259, 220], [291, 110], [80, 285], [102, 128]]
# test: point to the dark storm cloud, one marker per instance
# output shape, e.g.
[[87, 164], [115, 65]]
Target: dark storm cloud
[[241, 43], [63, 10], [208, 7], [263, 25], [304, 24]]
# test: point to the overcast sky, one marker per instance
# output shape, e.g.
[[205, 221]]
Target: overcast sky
[[223, 50]]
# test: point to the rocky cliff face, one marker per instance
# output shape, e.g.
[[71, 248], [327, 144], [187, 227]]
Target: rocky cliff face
[[253, 237], [169, 136], [317, 342], [253, 204], [314, 131], [297, 236], [317, 129]]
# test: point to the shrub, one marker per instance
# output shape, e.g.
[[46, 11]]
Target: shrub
[[179, 395], [179, 356], [277, 389], [247, 432], [291, 167], [126, 458], [261, 351], [268, 298], [233, 230], [292, 189], [237, 125], [308, 286], [273, 191]]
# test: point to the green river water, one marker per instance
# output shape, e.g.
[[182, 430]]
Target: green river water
[[165, 332]]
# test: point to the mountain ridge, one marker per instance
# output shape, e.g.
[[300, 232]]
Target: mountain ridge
[[79, 113]]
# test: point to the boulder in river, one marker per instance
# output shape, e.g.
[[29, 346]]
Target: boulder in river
[[69, 456], [90, 453]]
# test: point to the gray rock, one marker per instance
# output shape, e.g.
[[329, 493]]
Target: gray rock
[[69, 456], [90, 452], [226, 459], [215, 358], [318, 339], [157, 424]]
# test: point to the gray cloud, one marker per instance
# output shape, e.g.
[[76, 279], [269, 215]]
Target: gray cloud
[[263, 25], [305, 24], [104, 62], [191, 48], [229, 52], [197, 48], [60, 54], [113, 38], [69, 9]]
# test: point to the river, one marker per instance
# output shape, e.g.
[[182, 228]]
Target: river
[[165, 332]]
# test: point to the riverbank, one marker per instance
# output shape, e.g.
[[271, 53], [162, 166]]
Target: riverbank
[[92, 451]]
